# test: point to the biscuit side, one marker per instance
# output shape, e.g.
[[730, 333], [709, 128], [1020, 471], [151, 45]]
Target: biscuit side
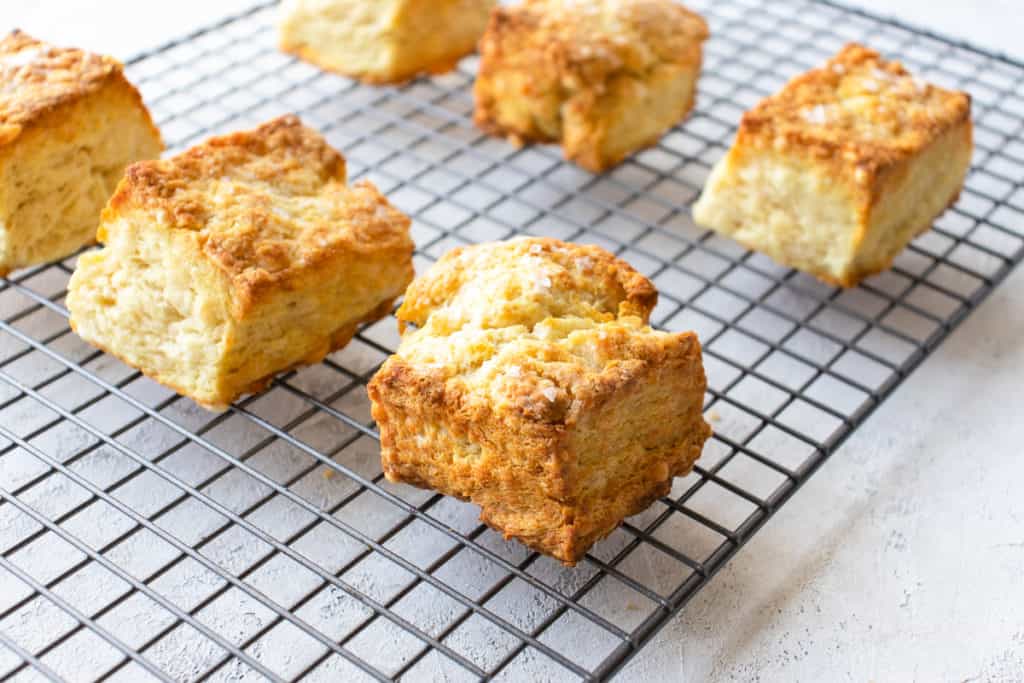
[[641, 426], [348, 37], [385, 42], [557, 434], [782, 206], [438, 436], [630, 114], [69, 125], [57, 176], [150, 298], [909, 197], [436, 35]]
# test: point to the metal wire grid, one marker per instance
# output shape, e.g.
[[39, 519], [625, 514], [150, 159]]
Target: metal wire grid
[[143, 538]]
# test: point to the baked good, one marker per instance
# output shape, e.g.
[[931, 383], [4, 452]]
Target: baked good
[[70, 122], [533, 387], [237, 259], [836, 173], [385, 41], [603, 78]]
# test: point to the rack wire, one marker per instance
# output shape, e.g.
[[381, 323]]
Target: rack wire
[[142, 538]]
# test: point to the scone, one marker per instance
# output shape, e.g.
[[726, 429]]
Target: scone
[[604, 78], [385, 41], [237, 259], [840, 170], [533, 387], [69, 125]]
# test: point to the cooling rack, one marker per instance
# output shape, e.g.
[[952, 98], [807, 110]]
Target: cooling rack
[[142, 538]]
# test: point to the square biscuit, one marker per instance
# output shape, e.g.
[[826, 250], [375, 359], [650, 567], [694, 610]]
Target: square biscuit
[[238, 259], [533, 387], [603, 78], [70, 122], [385, 41], [840, 170]]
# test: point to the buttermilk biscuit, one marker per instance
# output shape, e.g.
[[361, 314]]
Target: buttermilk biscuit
[[384, 41], [840, 170], [237, 259], [533, 387], [69, 125], [604, 78]]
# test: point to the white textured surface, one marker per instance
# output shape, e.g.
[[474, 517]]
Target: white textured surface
[[902, 559]]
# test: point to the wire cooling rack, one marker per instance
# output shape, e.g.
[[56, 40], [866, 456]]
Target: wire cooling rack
[[143, 538]]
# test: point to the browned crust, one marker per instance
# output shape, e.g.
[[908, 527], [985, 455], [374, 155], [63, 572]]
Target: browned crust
[[904, 116], [519, 429], [404, 397], [532, 453], [35, 88], [378, 228], [623, 290], [565, 41], [258, 249], [282, 145], [677, 361], [563, 49], [591, 158]]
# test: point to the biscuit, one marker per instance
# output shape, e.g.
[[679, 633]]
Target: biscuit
[[69, 125], [835, 174], [237, 259], [386, 41], [533, 387], [603, 78]]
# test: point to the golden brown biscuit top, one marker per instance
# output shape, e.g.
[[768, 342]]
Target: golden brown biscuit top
[[587, 40], [868, 111], [537, 326], [266, 204], [36, 77], [549, 373], [522, 282]]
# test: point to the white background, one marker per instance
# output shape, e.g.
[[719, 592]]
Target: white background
[[903, 558]]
